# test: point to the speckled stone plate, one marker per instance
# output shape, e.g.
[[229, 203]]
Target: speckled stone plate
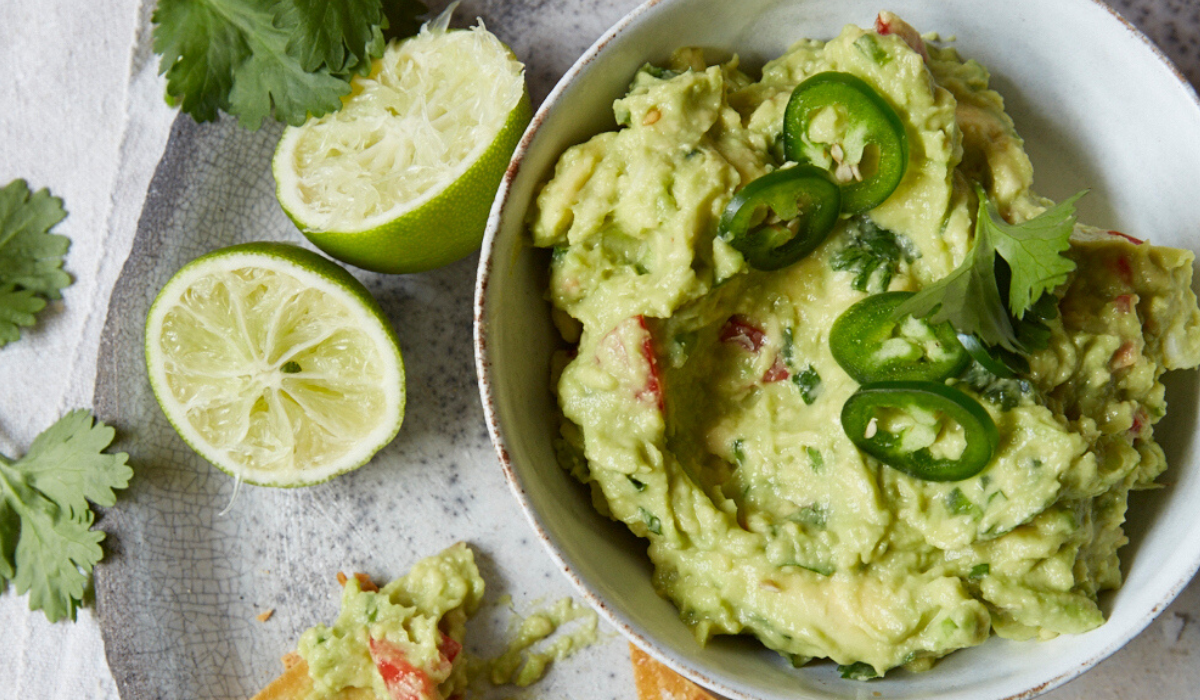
[[182, 582]]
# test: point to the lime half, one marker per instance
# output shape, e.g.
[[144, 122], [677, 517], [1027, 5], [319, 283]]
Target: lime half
[[401, 179], [275, 364]]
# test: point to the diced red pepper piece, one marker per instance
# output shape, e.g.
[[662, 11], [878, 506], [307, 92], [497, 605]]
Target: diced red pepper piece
[[403, 680], [740, 331], [1125, 356], [1123, 303], [1126, 236], [888, 23], [1123, 269], [449, 648], [654, 381], [1140, 421], [613, 346], [777, 372]]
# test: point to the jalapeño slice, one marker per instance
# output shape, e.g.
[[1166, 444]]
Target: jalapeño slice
[[781, 217], [836, 119], [867, 426], [872, 346]]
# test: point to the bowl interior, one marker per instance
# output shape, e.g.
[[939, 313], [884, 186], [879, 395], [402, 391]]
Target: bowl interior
[[1132, 136]]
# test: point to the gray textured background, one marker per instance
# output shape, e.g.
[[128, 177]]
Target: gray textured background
[[179, 589]]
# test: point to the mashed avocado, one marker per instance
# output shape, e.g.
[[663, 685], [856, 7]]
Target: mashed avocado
[[402, 640], [701, 400]]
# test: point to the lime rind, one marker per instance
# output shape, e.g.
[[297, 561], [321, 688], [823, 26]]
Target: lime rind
[[445, 229], [402, 178], [313, 392]]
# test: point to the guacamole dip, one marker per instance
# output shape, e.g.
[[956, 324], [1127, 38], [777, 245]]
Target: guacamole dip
[[702, 403], [401, 641]]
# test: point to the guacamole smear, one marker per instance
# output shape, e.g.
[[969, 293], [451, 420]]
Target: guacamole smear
[[702, 403], [525, 660], [401, 641]]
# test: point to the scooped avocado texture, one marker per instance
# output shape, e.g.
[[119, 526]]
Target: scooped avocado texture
[[701, 400]]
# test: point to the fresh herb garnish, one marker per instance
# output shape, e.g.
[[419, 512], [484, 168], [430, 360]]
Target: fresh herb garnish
[[858, 671], [873, 254], [971, 297], [47, 546], [653, 524], [244, 57], [30, 256], [809, 383]]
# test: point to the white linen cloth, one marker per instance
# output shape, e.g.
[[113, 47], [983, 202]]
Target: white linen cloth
[[81, 112]]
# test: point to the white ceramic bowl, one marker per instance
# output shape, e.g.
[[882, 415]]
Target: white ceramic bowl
[[1099, 107]]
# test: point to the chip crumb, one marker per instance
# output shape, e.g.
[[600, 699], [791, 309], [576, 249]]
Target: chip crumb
[[364, 582], [291, 659], [264, 616], [657, 682]]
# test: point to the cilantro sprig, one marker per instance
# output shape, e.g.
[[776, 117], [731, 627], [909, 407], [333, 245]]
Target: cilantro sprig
[[255, 58], [31, 257], [973, 297], [47, 546]]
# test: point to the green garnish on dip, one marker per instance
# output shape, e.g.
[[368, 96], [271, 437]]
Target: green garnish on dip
[[920, 431]]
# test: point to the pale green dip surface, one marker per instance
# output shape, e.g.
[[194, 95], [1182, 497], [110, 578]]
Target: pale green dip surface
[[762, 517], [407, 622]]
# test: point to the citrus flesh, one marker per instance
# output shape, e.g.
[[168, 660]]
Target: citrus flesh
[[275, 364], [401, 179]]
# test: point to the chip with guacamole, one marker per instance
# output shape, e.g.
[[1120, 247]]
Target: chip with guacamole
[[866, 395], [402, 641]]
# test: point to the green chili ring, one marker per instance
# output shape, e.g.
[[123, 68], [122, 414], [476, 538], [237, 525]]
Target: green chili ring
[[979, 429], [803, 196], [857, 336], [868, 115]]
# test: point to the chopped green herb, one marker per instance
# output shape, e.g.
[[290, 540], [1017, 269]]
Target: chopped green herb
[[972, 297], [958, 504], [739, 455], [653, 524], [858, 671], [1005, 393], [809, 383], [872, 50], [789, 346], [659, 72], [637, 485], [979, 571], [815, 459], [815, 515], [873, 254]]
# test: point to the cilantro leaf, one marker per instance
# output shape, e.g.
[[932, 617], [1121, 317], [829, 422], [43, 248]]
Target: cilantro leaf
[[1032, 249], [47, 546], [255, 58], [332, 33], [971, 298], [873, 254], [30, 256]]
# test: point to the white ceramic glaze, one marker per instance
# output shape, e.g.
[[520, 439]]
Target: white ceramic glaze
[[1099, 107]]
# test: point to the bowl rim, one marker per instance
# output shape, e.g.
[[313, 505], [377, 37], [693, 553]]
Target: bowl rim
[[483, 368]]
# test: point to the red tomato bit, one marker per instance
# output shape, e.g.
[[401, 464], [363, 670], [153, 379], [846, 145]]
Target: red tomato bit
[[740, 331]]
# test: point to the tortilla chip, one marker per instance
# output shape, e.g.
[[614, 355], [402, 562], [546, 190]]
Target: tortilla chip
[[294, 684], [657, 682]]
